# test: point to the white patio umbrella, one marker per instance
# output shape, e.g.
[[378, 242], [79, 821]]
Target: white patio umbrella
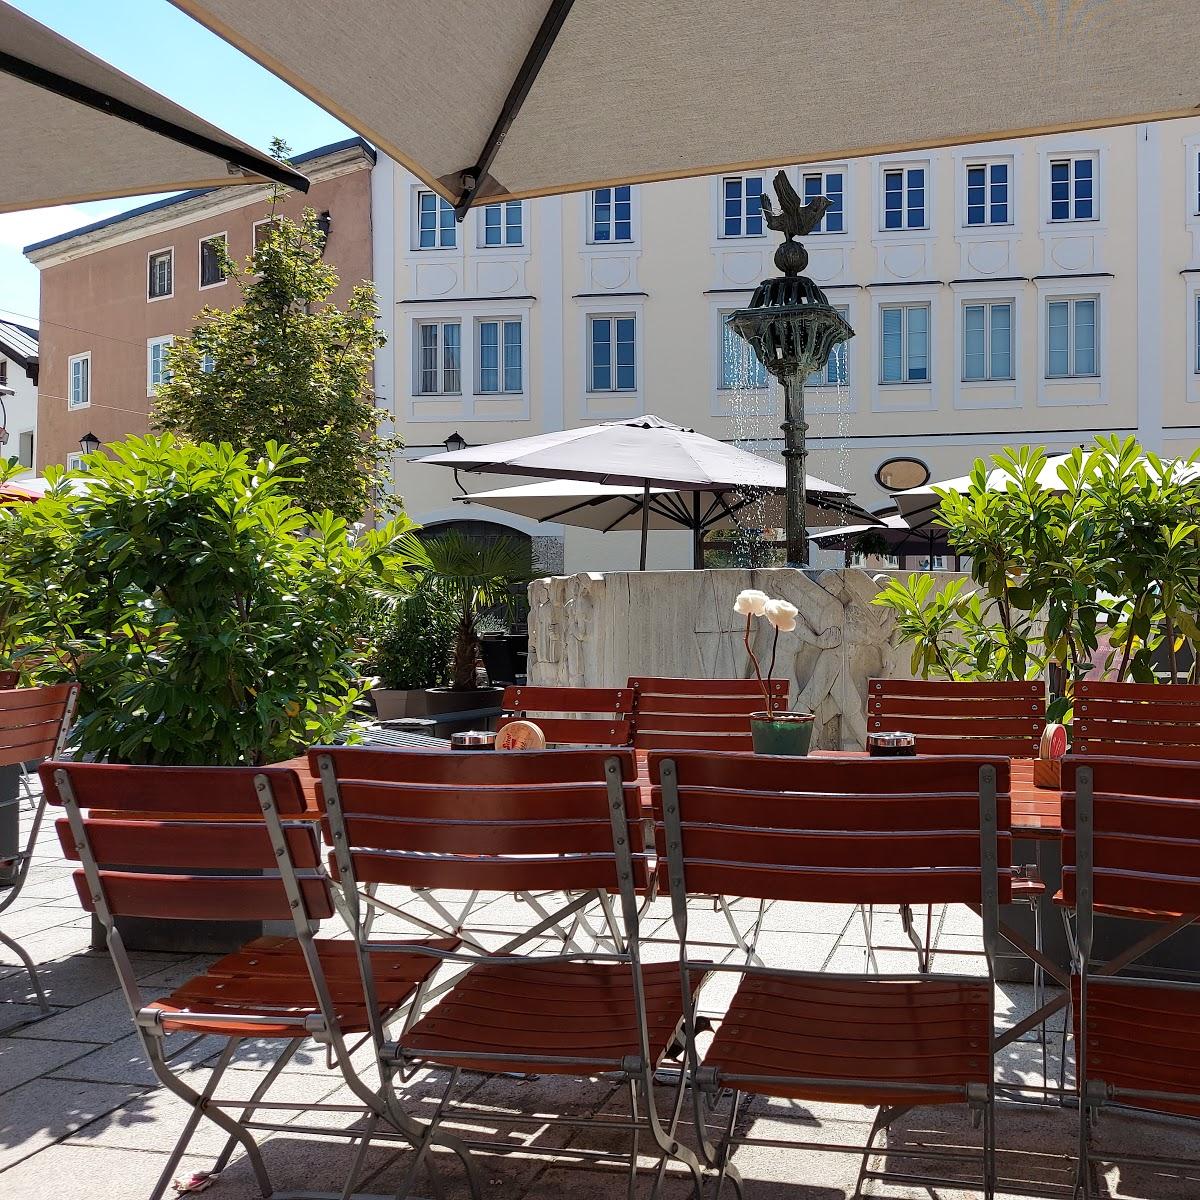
[[76, 129], [894, 532], [490, 98], [919, 506], [612, 508], [642, 453]]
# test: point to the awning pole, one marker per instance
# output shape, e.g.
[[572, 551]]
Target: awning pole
[[645, 522], [697, 535]]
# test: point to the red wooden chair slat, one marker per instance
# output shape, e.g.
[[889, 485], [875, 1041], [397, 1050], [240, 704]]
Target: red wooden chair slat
[[188, 845], [655, 706], [657, 685], [647, 740], [520, 769], [31, 721], [611, 727], [1004, 718]]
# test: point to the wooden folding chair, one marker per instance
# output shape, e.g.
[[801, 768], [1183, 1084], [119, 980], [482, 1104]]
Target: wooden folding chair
[[698, 714], [857, 832], [556, 821], [704, 714], [559, 713], [34, 723], [209, 844], [1136, 720], [1131, 848]]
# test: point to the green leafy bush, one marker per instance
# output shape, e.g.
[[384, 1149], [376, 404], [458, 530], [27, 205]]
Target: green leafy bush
[[415, 646], [208, 618]]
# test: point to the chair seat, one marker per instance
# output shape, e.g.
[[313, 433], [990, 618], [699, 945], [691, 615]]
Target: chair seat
[[268, 978], [1142, 1037], [865, 1032], [581, 1012]]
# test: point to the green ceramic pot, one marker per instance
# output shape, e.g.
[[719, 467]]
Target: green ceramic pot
[[782, 733]]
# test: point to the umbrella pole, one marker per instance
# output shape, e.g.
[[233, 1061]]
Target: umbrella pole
[[645, 523], [697, 535]]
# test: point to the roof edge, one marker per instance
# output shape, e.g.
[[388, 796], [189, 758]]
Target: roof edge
[[179, 197]]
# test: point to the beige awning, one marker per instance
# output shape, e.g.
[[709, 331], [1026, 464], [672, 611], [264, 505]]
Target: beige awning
[[72, 128], [543, 96]]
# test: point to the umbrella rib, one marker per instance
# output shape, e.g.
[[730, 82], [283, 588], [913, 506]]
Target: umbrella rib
[[634, 506], [535, 58], [109, 105]]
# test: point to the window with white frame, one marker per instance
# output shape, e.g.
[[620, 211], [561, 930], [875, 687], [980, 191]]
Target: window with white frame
[[987, 345], [837, 370], [79, 380], [1073, 187], [439, 358], [436, 229], [741, 206], [905, 198], [740, 367], [1196, 329], [831, 185], [988, 193], [160, 271], [1071, 337], [1196, 182], [263, 230], [904, 343], [498, 352], [612, 353], [74, 461], [212, 262], [502, 224], [25, 448], [610, 215], [156, 363], [208, 364], [3, 370]]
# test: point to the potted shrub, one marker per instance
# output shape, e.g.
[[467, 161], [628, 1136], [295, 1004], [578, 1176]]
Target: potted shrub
[[208, 618], [774, 731], [472, 575], [412, 654]]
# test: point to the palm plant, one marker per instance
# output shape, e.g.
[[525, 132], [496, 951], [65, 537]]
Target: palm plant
[[473, 575]]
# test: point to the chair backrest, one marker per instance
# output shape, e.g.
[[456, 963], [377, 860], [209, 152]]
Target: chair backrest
[[1005, 718], [610, 725], [35, 721], [1137, 720], [845, 831], [478, 821], [1142, 836], [184, 843], [698, 714]]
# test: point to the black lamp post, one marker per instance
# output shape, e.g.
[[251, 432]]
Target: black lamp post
[[89, 443]]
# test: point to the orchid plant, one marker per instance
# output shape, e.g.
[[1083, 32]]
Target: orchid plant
[[781, 616]]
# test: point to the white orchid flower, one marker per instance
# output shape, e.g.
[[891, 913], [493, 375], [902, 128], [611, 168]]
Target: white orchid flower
[[751, 603]]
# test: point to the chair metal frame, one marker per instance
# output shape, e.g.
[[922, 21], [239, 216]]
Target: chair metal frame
[[238, 1118], [1095, 1092], [629, 864], [709, 1082], [14, 753]]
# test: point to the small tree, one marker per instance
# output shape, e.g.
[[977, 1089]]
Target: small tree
[[286, 365]]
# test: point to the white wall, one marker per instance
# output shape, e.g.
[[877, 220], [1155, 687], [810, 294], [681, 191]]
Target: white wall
[[21, 406]]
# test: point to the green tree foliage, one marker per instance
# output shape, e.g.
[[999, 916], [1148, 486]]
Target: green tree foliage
[[287, 365], [415, 646], [208, 617], [1102, 568], [471, 575]]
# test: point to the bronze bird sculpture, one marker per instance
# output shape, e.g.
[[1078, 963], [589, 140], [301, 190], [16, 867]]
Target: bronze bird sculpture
[[794, 219]]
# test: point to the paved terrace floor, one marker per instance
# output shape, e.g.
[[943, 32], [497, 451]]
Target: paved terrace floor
[[82, 1119]]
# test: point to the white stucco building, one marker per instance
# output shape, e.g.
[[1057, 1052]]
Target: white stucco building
[[18, 391], [1034, 291]]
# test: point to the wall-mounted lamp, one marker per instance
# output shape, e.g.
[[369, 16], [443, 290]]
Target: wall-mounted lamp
[[89, 443], [454, 442]]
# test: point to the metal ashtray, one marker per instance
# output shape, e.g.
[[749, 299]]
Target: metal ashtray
[[892, 745], [473, 739]]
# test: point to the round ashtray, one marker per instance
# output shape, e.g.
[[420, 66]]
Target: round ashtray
[[473, 739], [892, 745]]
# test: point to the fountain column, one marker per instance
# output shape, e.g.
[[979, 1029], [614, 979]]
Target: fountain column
[[793, 329]]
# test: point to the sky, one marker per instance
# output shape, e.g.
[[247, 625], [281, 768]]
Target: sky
[[166, 50]]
